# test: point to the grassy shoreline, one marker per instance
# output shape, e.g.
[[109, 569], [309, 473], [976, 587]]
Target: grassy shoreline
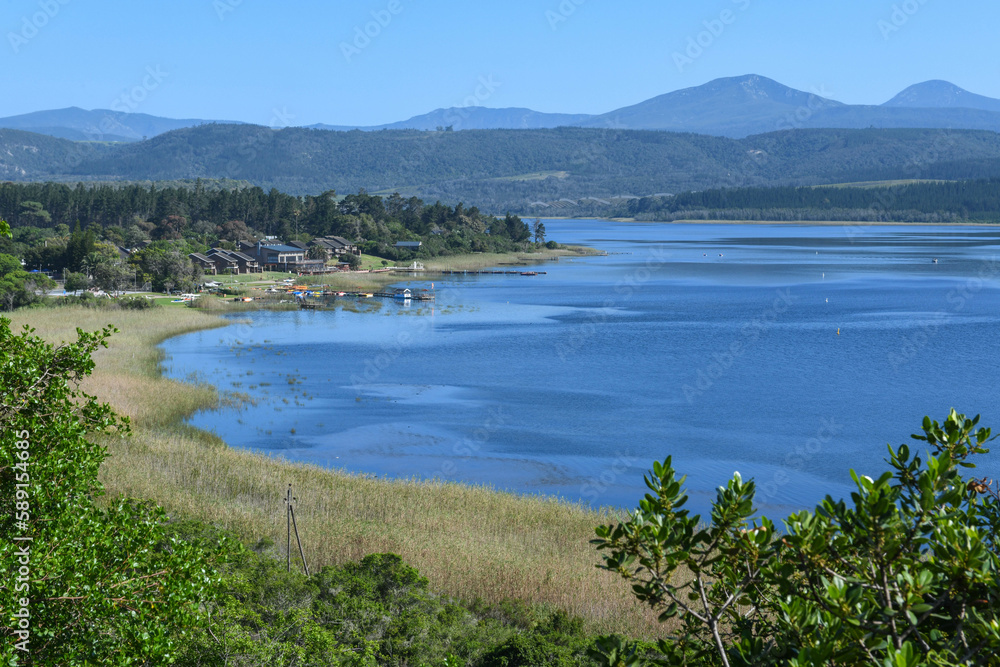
[[471, 542], [373, 282]]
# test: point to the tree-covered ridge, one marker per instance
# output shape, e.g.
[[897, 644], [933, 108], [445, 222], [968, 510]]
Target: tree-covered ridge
[[508, 169], [360, 216], [953, 201]]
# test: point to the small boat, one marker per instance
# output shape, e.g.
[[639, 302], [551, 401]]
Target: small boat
[[529, 273]]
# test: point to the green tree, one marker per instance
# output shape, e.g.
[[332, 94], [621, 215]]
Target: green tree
[[83, 585], [904, 574], [235, 231], [538, 229], [113, 276], [19, 287], [80, 245], [34, 215], [164, 263], [76, 282], [316, 252]]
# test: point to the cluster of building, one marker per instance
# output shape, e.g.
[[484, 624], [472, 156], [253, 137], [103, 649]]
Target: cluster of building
[[272, 255]]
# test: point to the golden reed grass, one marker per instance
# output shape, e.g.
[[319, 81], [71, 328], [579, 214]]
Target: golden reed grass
[[471, 542]]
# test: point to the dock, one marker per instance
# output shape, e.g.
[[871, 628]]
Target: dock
[[492, 273]]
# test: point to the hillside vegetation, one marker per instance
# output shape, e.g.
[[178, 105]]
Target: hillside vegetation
[[951, 201], [498, 169]]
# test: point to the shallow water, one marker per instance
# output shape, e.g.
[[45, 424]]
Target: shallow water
[[716, 344]]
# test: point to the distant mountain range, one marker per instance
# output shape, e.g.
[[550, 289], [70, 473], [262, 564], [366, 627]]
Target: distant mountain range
[[731, 107], [79, 124], [474, 118], [942, 95]]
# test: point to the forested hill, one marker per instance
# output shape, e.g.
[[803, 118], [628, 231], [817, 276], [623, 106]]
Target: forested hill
[[507, 169]]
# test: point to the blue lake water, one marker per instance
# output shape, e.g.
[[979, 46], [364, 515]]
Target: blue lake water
[[789, 353]]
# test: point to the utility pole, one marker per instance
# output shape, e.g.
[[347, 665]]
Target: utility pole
[[290, 526]]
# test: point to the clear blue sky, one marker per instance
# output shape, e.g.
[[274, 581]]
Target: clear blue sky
[[248, 59]]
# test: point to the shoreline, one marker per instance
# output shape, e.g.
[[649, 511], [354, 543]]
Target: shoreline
[[434, 269], [470, 541]]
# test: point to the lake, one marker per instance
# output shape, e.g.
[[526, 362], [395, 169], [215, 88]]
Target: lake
[[790, 353]]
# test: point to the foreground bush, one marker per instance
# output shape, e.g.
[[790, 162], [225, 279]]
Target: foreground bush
[[378, 611], [906, 573], [84, 585]]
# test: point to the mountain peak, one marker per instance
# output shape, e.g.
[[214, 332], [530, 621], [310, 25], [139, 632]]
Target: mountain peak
[[732, 106], [938, 94]]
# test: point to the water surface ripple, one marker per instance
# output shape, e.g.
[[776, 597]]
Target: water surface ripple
[[717, 344]]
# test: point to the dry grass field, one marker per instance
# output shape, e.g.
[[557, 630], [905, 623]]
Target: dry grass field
[[470, 542]]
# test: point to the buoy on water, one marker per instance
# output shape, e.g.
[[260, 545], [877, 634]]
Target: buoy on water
[[838, 331]]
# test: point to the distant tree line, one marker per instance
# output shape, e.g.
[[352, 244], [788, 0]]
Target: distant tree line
[[116, 236], [129, 213], [975, 201]]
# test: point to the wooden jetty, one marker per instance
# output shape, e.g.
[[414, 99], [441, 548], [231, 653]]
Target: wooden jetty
[[493, 273], [316, 295]]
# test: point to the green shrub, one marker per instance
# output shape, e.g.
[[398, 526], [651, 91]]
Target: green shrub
[[904, 574], [98, 585], [529, 651], [134, 303]]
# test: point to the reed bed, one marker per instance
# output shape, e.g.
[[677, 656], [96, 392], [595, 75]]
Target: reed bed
[[471, 542], [475, 262], [356, 282]]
